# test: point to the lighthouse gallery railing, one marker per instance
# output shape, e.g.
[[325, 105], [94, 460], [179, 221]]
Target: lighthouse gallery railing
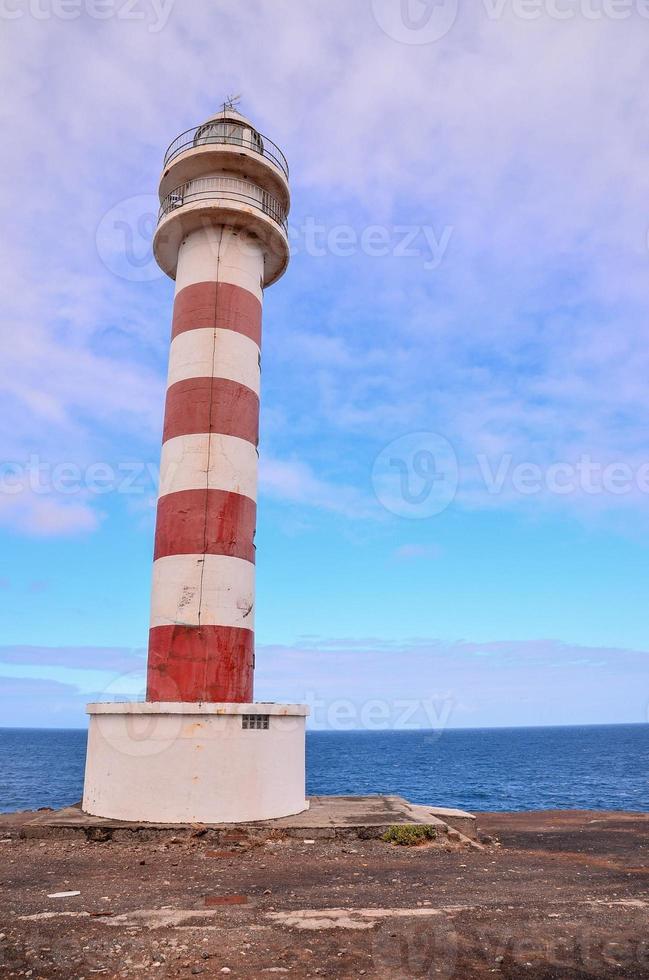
[[224, 188], [249, 139]]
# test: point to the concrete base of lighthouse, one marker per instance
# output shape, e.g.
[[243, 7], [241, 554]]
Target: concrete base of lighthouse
[[195, 763]]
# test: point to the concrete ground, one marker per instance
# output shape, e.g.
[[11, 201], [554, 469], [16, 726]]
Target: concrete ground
[[552, 895], [344, 817]]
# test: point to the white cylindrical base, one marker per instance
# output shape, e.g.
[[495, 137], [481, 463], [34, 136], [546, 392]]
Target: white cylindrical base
[[195, 763]]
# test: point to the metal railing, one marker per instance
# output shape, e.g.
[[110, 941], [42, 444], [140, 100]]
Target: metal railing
[[206, 134], [228, 188]]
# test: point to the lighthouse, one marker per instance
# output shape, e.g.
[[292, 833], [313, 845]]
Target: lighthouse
[[199, 749]]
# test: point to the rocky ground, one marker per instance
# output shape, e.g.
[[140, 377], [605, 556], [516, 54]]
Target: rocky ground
[[552, 895]]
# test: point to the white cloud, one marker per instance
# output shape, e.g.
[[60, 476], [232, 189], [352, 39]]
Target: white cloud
[[421, 682], [47, 516], [461, 684], [292, 481], [527, 138]]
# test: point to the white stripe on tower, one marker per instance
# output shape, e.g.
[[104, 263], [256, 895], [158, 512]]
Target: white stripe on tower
[[207, 590], [218, 254], [213, 352], [214, 461]]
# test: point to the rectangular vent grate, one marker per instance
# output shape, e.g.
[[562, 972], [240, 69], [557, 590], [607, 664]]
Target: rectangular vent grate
[[255, 722]]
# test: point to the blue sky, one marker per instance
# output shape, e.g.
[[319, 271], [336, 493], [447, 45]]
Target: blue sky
[[454, 463]]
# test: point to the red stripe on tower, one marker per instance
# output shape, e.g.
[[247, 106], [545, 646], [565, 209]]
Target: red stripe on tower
[[211, 522], [211, 405], [204, 663], [217, 304]]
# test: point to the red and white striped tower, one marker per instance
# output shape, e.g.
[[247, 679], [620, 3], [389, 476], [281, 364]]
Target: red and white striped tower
[[222, 236]]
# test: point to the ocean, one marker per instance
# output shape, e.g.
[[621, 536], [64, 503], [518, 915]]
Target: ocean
[[595, 767]]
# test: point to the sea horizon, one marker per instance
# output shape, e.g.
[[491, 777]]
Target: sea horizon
[[497, 768], [379, 731]]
